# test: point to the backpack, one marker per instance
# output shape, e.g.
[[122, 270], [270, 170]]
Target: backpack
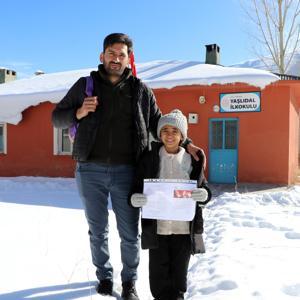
[[89, 87]]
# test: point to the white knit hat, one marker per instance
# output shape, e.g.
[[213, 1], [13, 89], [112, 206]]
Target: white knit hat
[[174, 118]]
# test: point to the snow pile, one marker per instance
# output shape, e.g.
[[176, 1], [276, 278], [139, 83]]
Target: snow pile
[[252, 241], [252, 244], [18, 95], [168, 74]]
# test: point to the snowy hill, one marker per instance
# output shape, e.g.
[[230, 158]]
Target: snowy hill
[[294, 67], [252, 241]]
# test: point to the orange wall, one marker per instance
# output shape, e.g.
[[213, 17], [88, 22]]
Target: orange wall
[[267, 148], [30, 147], [263, 148], [293, 137], [264, 144]]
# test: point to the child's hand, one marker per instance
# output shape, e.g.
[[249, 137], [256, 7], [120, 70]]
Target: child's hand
[[200, 195], [138, 200]]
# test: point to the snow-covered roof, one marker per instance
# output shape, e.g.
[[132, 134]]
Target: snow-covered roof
[[16, 96]]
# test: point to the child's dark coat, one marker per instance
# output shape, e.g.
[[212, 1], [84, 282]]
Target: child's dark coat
[[149, 168]]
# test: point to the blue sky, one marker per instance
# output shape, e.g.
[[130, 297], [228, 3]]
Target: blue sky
[[60, 35]]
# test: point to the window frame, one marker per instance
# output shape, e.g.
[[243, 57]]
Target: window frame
[[4, 126], [58, 143]]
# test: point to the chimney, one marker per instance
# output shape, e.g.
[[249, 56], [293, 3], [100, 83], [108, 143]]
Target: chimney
[[7, 75], [212, 54]]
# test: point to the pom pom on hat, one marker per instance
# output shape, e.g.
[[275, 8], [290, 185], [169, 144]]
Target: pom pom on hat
[[175, 118]]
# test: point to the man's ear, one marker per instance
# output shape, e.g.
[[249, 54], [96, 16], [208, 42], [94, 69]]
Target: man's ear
[[101, 57]]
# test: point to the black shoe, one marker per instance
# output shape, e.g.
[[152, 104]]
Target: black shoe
[[105, 287], [129, 291]]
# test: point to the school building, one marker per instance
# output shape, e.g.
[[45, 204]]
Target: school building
[[249, 132]]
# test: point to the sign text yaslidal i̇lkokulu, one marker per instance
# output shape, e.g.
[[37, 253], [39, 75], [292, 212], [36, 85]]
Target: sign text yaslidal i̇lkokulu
[[240, 102]]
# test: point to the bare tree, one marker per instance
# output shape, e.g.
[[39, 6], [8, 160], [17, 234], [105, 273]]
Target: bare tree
[[277, 23]]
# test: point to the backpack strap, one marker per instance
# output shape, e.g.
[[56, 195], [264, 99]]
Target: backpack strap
[[89, 86]]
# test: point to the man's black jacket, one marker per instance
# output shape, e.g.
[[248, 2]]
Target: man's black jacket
[[144, 112], [148, 168]]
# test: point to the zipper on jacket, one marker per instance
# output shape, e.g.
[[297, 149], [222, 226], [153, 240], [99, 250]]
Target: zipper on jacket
[[138, 136], [110, 133]]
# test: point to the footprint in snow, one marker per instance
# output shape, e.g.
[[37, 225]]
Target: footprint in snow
[[227, 285], [292, 235], [266, 225], [248, 224], [292, 290], [224, 285]]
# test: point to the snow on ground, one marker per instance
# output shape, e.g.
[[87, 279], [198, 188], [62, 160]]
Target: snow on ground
[[252, 239]]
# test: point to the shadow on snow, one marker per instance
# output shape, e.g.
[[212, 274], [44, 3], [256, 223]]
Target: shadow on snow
[[56, 292]]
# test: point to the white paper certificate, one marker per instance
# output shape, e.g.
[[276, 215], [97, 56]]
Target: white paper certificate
[[169, 199]]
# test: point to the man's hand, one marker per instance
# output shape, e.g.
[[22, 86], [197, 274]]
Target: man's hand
[[138, 200], [89, 105], [192, 149]]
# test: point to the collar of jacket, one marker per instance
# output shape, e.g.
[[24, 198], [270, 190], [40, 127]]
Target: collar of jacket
[[155, 146], [104, 75]]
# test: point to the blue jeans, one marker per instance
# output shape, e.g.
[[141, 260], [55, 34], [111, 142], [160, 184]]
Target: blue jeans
[[95, 183]]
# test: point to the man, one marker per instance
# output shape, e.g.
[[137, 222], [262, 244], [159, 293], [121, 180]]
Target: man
[[113, 130]]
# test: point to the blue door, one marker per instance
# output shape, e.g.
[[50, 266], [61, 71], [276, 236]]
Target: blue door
[[223, 153]]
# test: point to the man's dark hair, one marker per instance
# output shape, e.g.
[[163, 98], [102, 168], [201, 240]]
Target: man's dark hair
[[114, 38]]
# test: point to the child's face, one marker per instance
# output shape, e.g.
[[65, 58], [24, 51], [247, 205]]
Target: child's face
[[171, 138]]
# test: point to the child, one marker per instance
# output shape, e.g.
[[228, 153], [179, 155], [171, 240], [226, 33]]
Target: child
[[171, 243]]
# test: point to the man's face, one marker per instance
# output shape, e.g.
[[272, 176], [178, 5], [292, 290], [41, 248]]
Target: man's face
[[115, 59]]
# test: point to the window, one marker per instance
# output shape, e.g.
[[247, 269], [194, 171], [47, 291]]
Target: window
[[2, 138], [231, 134], [217, 135], [224, 134], [62, 143]]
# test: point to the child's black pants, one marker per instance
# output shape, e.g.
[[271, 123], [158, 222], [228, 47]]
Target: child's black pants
[[168, 266]]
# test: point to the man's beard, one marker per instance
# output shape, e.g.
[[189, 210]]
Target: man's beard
[[115, 71]]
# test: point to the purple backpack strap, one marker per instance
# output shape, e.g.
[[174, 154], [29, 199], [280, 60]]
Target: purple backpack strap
[[89, 87]]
